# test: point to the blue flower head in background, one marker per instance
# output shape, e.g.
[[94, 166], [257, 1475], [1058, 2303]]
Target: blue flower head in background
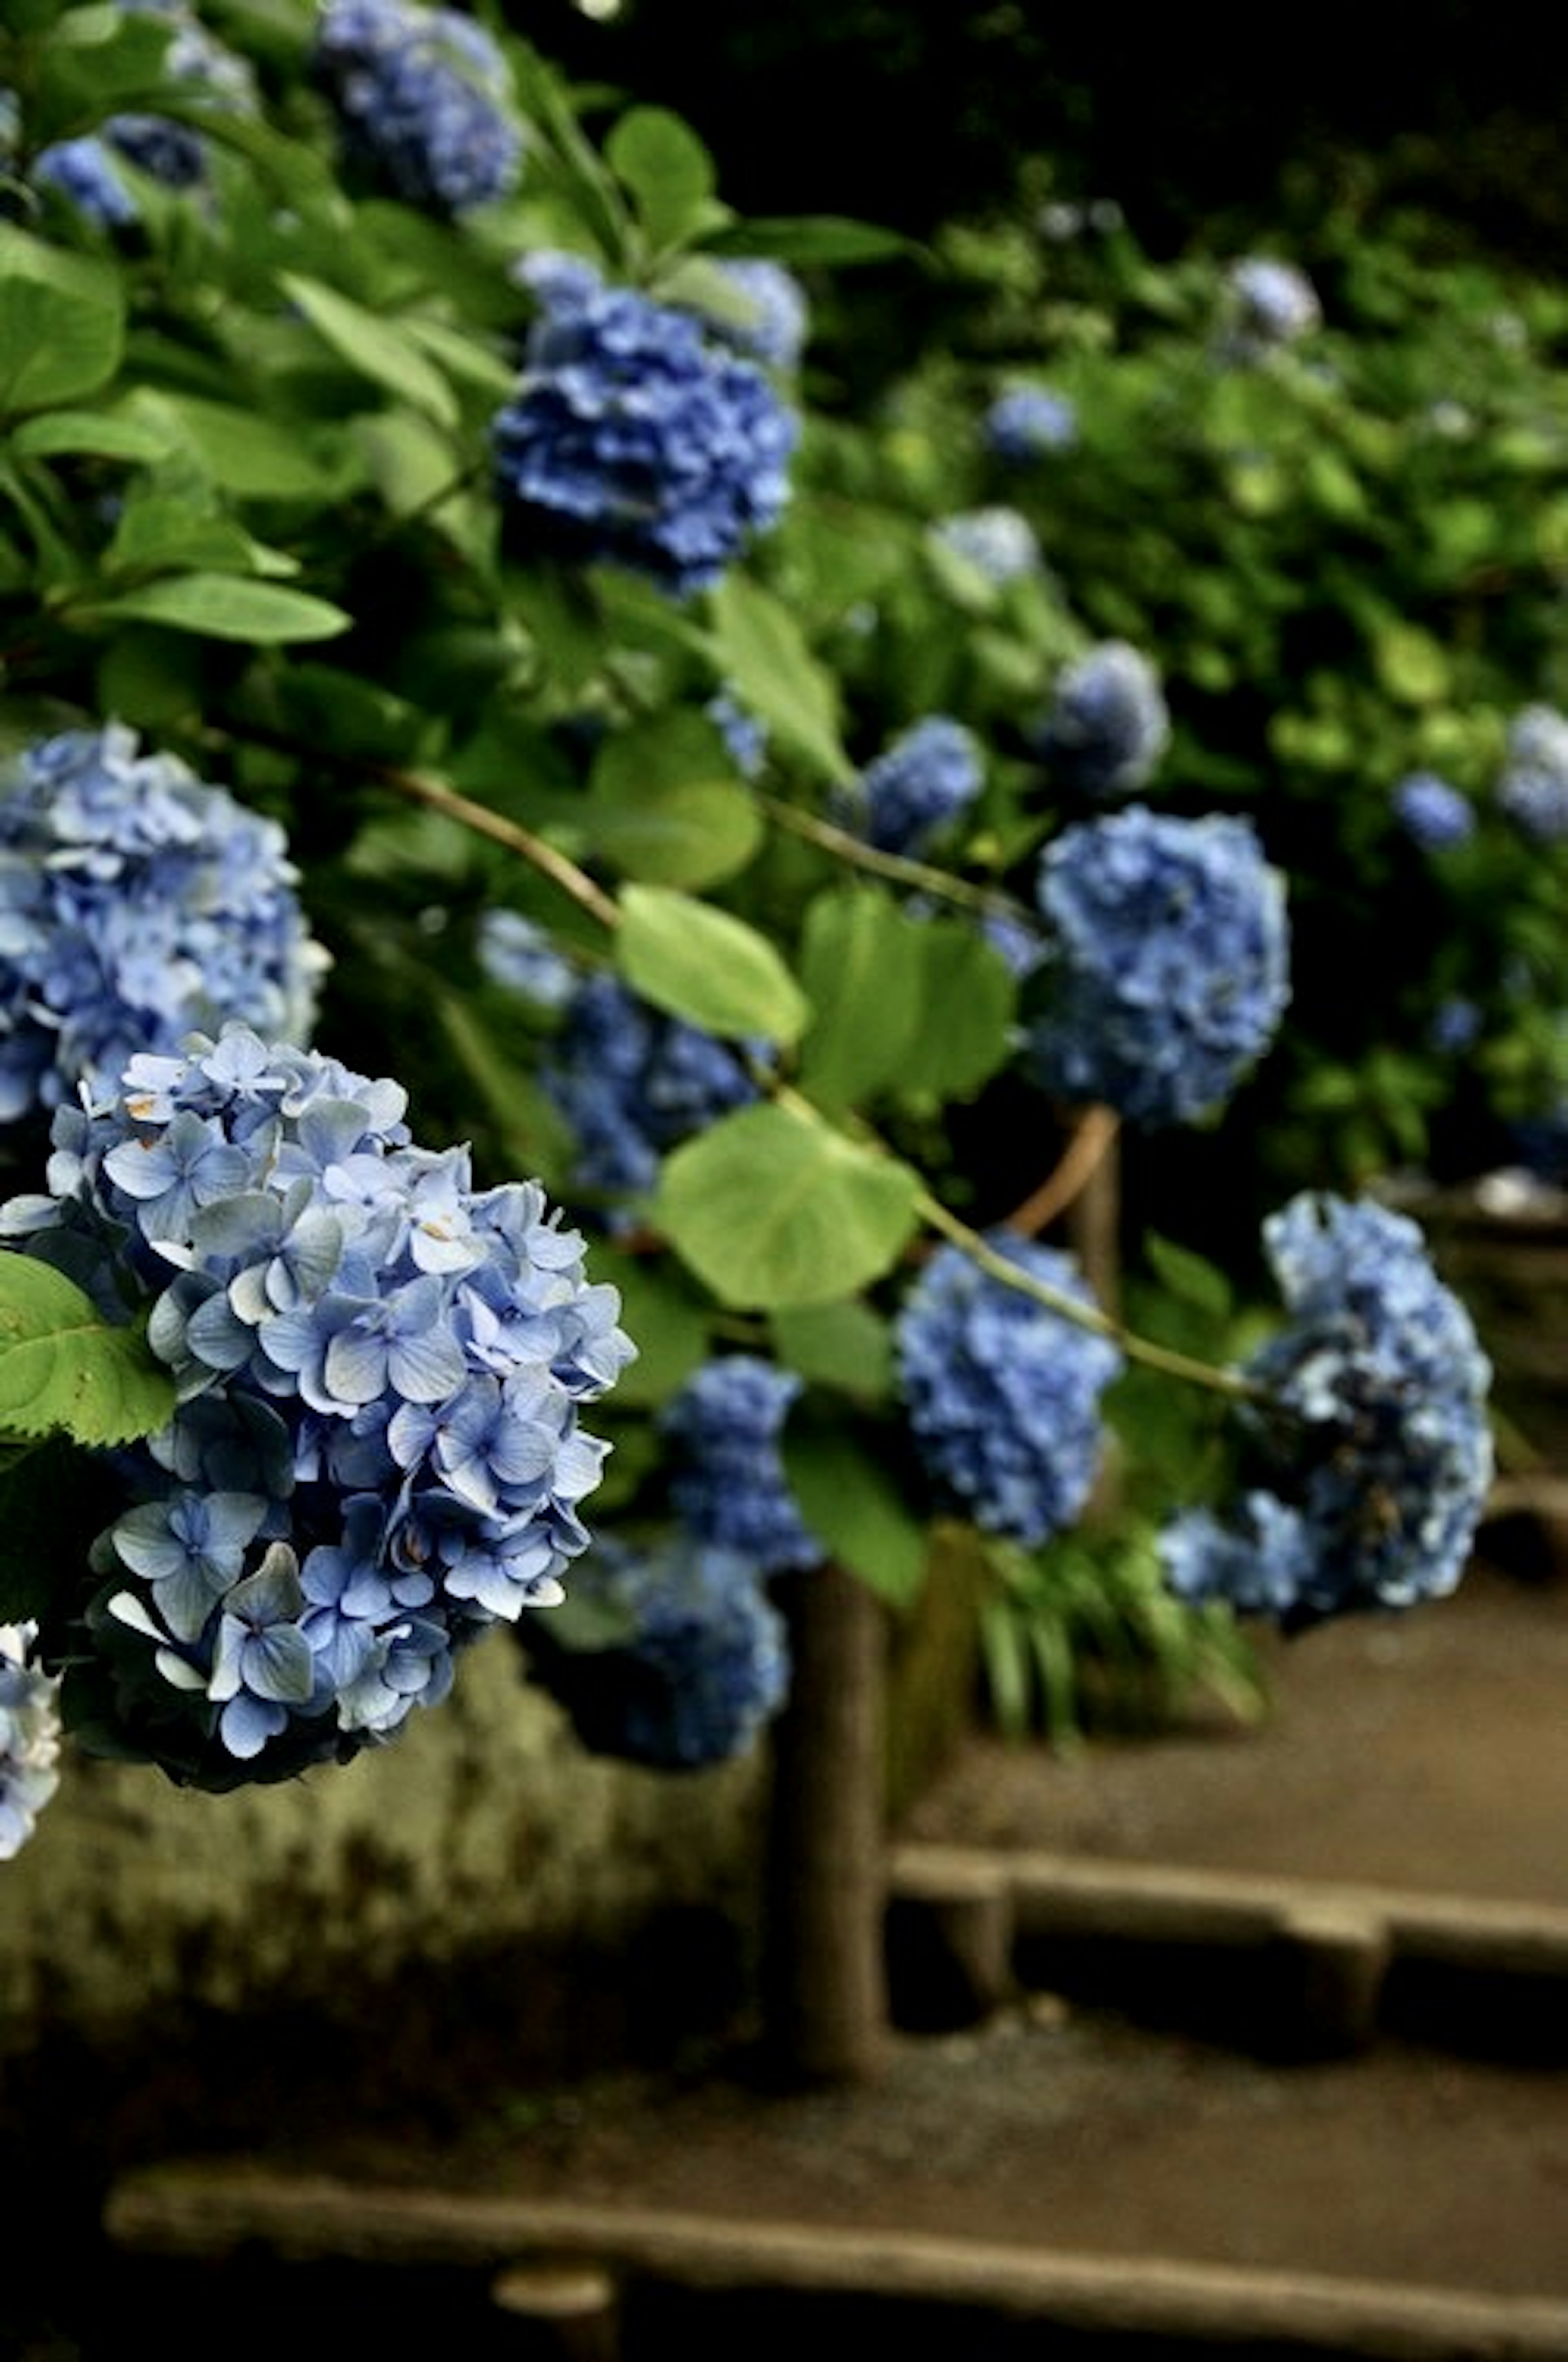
[[1002, 1392], [637, 439], [1372, 1449], [724, 1431], [136, 903], [424, 99], [632, 1083], [86, 169], [1000, 543], [1028, 421], [377, 1453], [1532, 789], [518, 953], [1109, 723], [29, 1738], [904, 798], [1271, 304], [769, 319], [1432, 815], [677, 1658], [1169, 970]]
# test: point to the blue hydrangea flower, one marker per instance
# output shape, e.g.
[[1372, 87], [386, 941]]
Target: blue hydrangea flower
[[724, 1430], [745, 737], [1027, 420], [1371, 1449], [771, 319], [632, 1084], [1432, 815], [1168, 970], [557, 278], [519, 953], [636, 439], [136, 903], [29, 1738], [925, 779], [1002, 1392], [1455, 1027], [685, 1662], [1109, 723], [86, 169], [999, 543], [424, 99], [1533, 787], [377, 1452], [1272, 303]]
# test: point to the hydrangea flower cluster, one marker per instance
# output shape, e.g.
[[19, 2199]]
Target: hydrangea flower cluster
[[999, 542], [724, 1428], [1109, 723], [137, 903], [1533, 788], [632, 1083], [1169, 970], [1002, 1392], [689, 1660], [776, 318], [1027, 420], [1433, 815], [1372, 1450], [424, 99], [518, 953], [1273, 304], [915, 786], [638, 439], [85, 169], [744, 735], [29, 1738], [376, 1453]]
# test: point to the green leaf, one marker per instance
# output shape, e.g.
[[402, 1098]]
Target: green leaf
[[827, 238], [64, 1368], [771, 1208], [660, 808], [256, 456], [99, 434], [849, 1501], [380, 350], [705, 966], [228, 607], [859, 967], [62, 324], [666, 170], [964, 1013], [666, 1321], [845, 1345], [1190, 1277], [762, 653]]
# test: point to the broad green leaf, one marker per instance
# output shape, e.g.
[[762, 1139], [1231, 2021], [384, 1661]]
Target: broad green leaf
[[666, 170], [257, 457], [62, 324], [63, 1367], [761, 651], [102, 434], [849, 1499], [844, 1345], [661, 808], [1410, 664], [381, 350], [962, 1020], [1189, 1276], [859, 966], [228, 607], [771, 1208], [706, 965]]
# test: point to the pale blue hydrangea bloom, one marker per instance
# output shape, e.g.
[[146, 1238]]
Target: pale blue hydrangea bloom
[[636, 439], [1272, 303], [634, 1083], [687, 1661], [1109, 723], [137, 901], [1169, 970], [86, 169], [999, 542], [744, 736], [776, 318], [1002, 1392], [1433, 815], [377, 1453], [909, 793], [424, 98], [1027, 420], [1372, 1452], [724, 1431], [29, 1738], [517, 952], [1533, 787]]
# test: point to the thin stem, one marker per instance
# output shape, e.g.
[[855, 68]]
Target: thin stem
[[550, 863], [999, 1266], [1091, 1144], [988, 901]]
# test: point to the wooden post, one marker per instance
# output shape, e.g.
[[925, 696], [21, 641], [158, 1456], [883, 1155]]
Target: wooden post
[[824, 1972]]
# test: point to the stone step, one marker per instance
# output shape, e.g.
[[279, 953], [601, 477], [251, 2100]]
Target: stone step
[[1287, 1965], [621, 2283]]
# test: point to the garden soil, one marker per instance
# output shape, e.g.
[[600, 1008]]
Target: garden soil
[[1428, 1752]]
